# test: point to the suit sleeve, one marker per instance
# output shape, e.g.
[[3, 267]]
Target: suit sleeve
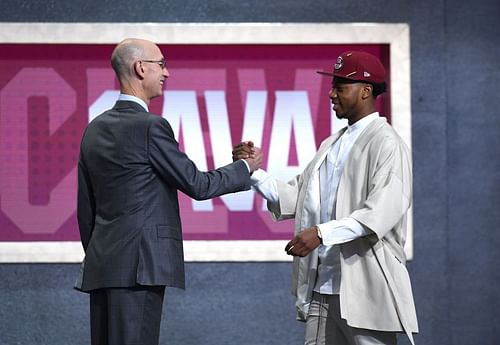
[[86, 209], [177, 170]]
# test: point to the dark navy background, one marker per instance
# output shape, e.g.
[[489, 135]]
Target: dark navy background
[[455, 61]]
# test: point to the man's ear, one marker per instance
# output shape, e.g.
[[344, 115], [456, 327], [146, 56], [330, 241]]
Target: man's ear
[[139, 69], [367, 91]]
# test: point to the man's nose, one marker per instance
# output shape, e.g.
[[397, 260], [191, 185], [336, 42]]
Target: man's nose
[[166, 73]]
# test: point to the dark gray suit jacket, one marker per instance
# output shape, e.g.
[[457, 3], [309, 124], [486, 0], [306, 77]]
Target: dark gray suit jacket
[[129, 172]]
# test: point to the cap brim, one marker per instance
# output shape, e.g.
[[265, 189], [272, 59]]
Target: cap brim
[[325, 73]]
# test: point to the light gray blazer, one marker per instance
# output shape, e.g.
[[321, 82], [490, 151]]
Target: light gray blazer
[[375, 189]]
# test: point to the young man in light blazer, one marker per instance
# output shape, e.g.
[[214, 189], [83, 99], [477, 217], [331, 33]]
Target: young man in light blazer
[[350, 207]]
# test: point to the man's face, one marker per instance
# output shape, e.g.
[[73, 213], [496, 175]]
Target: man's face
[[347, 99], [155, 72]]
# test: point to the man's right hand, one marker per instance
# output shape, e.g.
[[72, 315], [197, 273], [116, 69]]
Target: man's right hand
[[251, 154], [255, 162]]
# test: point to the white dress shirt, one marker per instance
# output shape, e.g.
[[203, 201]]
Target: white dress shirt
[[333, 231], [124, 97]]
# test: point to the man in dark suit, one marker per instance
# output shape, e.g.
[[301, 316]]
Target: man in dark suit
[[129, 172]]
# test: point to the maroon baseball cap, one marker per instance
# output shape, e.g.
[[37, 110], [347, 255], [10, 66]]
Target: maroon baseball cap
[[358, 66]]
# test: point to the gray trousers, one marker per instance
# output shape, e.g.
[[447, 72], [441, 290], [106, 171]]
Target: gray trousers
[[126, 316], [324, 326]]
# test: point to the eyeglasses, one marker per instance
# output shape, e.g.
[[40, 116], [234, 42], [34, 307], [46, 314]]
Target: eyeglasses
[[161, 62]]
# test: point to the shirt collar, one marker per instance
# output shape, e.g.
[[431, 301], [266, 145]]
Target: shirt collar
[[362, 123], [124, 97]]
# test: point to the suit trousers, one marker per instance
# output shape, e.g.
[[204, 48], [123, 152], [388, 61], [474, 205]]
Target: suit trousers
[[324, 326], [126, 316]]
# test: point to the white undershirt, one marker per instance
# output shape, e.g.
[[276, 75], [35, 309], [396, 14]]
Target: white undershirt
[[333, 231]]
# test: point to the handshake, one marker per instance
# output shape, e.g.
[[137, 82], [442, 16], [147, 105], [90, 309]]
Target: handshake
[[308, 239], [251, 154]]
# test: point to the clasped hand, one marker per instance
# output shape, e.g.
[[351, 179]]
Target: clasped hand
[[305, 242], [252, 155]]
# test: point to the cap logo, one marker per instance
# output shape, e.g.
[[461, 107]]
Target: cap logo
[[366, 74], [339, 63]]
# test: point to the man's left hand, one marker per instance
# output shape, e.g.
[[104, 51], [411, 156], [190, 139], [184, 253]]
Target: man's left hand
[[244, 150], [303, 243]]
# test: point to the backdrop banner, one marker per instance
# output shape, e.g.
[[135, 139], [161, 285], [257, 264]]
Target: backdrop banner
[[218, 94]]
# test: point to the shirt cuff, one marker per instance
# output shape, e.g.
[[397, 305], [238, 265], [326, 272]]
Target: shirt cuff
[[341, 231], [258, 176]]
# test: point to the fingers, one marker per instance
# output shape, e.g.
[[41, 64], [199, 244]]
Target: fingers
[[247, 151], [295, 247], [253, 165], [240, 155], [303, 244], [253, 155], [290, 245], [259, 157], [298, 249], [256, 162], [243, 150]]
